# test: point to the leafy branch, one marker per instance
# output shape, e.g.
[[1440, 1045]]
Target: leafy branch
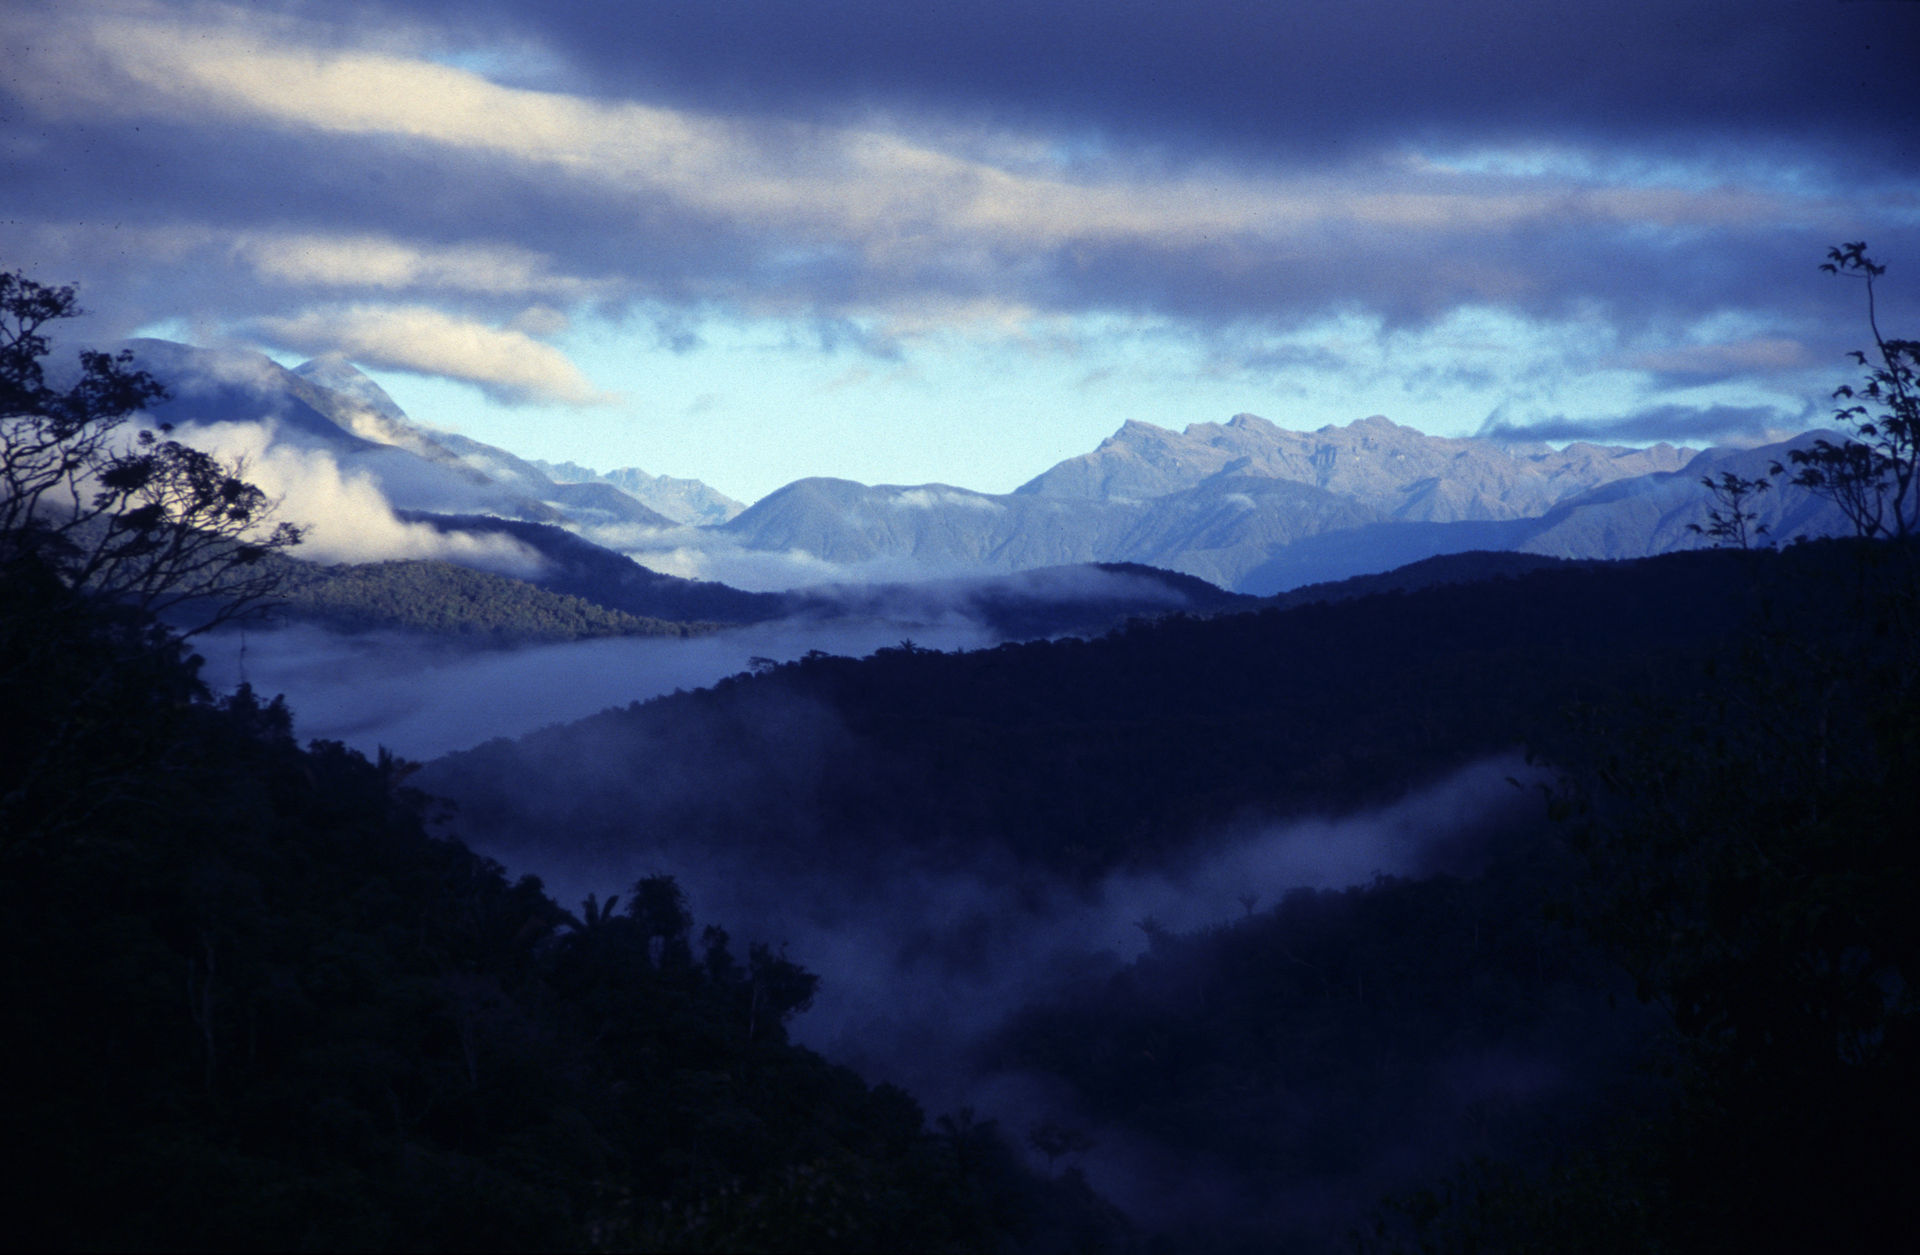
[[1871, 476]]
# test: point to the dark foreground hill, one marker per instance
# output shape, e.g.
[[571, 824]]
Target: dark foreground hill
[[1081, 756], [1718, 1055], [252, 1004], [583, 589]]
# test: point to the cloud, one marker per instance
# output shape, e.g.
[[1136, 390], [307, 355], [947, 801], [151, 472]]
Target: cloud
[[422, 697], [881, 201], [1314, 81], [1764, 354], [935, 497], [1679, 424], [345, 516], [383, 261], [509, 365], [933, 186], [704, 553]]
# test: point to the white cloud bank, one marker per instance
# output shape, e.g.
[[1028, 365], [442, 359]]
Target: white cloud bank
[[510, 365], [344, 514], [899, 201]]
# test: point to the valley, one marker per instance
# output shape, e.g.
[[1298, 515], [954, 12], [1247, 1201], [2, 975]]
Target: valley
[[1269, 915]]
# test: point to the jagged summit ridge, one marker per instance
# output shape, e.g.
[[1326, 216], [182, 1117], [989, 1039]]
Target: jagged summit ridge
[[333, 371], [1401, 472], [682, 500]]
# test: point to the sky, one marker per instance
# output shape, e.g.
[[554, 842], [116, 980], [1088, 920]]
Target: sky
[[748, 242]]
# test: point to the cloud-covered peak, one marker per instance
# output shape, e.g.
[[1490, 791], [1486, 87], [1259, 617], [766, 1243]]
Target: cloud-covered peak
[[333, 371]]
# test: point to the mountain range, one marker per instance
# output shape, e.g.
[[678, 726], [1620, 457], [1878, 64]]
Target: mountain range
[[1258, 509], [1246, 505]]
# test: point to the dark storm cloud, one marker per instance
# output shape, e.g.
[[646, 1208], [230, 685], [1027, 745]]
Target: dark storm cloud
[[858, 168], [1551, 268], [1312, 78]]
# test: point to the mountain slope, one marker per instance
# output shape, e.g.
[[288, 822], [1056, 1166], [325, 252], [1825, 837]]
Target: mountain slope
[[1395, 470], [1627, 518], [1036, 602], [452, 603], [327, 406], [683, 500], [1244, 504], [1214, 530], [580, 568], [1251, 507]]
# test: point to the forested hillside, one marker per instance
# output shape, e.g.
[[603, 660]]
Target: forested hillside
[[453, 602], [1082, 755], [253, 1003], [1730, 727]]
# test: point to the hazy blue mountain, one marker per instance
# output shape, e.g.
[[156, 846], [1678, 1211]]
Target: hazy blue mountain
[[1400, 472], [335, 373], [357, 430], [1039, 602], [1373, 549], [1628, 518], [682, 500], [1214, 530], [1231, 522], [1244, 504], [383, 420], [935, 526], [1634, 518], [329, 409], [1254, 508], [208, 386]]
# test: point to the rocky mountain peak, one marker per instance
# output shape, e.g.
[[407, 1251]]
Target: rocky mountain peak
[[1133, 431], [333, 371], [1385, 466]]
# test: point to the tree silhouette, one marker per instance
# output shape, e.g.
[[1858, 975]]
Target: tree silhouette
[[1055, 1141], [1732, 523], [1871, 476], [1747, 846], [130, 515]]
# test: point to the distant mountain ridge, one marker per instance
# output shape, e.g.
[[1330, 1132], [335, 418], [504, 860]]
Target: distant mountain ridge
[[1398, 471], [1214, 530], [572, 587], [1246, 505], [683, 500], [1258, 509]]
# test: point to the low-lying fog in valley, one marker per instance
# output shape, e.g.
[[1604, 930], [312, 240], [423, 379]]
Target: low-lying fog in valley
[[421, 698], [922, 968], [919, 965]]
